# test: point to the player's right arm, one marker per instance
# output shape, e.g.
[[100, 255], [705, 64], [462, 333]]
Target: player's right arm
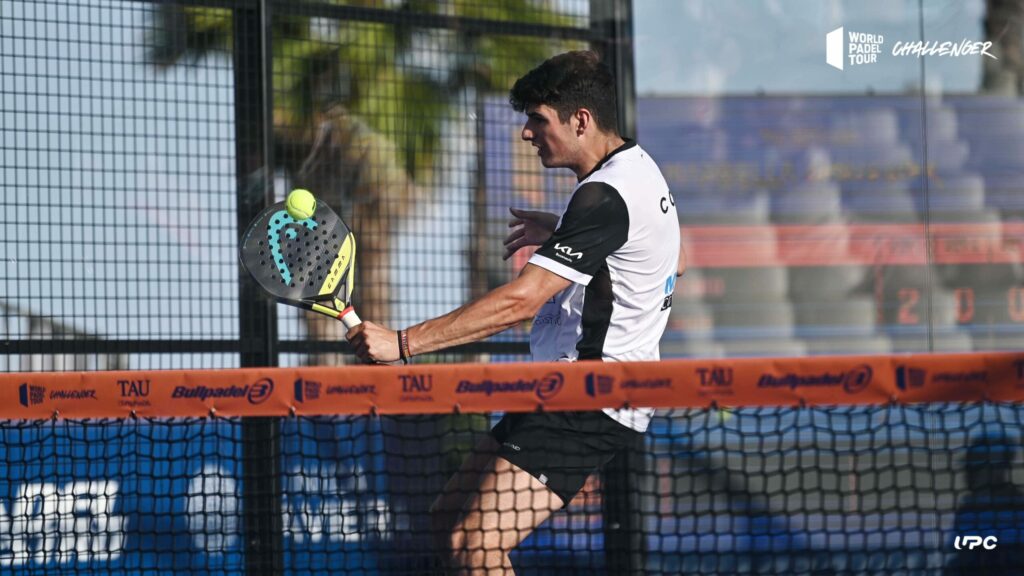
[[498, 310]]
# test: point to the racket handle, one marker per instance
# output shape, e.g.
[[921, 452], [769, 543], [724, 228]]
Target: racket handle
[[349, 318]]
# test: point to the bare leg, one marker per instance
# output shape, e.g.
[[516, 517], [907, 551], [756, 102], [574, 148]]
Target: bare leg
[[506, 506], [449, 506]]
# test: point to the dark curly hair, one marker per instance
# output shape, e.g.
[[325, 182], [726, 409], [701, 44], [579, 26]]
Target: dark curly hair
[[568, 82]]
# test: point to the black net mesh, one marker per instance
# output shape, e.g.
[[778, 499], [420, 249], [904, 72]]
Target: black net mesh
[[823, 490]]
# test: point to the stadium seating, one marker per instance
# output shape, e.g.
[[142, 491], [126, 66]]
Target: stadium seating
[[815, 210]]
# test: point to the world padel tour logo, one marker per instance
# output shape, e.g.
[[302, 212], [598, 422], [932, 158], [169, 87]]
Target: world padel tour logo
[[907, 378], [311, 389], [849, 48], [599, 384], [29, 395]]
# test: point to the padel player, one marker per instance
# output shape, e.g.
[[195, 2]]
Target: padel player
[[596, 289]]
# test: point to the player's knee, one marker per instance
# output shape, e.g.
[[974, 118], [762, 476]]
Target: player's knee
[[454, 549], [467, 555]]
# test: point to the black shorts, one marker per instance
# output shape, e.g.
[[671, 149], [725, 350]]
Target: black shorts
[[561, 449]]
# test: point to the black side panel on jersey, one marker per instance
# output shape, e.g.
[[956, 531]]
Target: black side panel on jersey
[[597, 315], [595, 224]]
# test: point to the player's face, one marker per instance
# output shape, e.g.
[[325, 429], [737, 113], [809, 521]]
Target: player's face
[[556, 142]]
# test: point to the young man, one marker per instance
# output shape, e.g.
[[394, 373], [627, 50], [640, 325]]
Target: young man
[[597, 290]]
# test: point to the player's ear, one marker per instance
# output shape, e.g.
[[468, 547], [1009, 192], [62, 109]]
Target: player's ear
[[583, 120]]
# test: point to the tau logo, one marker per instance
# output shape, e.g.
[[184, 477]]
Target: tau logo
[[972, 542], [134, 388], [413, 383], [715, 376], [568, 251]]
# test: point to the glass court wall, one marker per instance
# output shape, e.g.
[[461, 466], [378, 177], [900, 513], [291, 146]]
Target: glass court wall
[[870, 209]]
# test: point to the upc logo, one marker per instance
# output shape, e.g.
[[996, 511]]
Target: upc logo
[[972, 542]]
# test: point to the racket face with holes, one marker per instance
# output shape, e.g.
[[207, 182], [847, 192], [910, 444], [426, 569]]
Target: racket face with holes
[[309, 263]]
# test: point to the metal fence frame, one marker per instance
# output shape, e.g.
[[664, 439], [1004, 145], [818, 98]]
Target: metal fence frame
[[610, 33]]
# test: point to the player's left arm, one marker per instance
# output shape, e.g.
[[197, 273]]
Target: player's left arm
[[498, 310]]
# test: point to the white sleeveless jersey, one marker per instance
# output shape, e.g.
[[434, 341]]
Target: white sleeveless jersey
[[618, 242]]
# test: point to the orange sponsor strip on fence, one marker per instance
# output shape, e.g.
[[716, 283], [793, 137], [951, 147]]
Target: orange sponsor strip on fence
[[431, 388], [853, 244]]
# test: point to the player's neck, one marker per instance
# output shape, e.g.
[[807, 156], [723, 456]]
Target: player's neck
[[592, 155]]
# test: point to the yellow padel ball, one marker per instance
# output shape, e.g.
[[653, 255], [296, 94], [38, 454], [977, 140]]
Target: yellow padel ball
[[301, 204]]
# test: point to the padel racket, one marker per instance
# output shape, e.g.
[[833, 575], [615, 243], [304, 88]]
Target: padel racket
[[309, 263]]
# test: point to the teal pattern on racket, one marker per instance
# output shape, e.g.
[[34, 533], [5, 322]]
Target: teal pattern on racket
[[306, 263]]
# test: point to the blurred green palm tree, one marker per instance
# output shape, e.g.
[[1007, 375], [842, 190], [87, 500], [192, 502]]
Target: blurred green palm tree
[[359, 107]]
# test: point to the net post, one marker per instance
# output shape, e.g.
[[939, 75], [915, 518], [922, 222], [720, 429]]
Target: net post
[[622, 490], [262, 522]]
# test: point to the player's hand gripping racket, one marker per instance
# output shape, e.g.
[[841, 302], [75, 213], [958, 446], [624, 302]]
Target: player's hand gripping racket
[[305, 258]]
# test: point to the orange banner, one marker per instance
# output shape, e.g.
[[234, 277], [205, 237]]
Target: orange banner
[[431, 388], [853, 244]]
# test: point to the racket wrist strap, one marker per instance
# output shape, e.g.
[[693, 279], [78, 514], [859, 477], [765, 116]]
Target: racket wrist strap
[[403, 344]]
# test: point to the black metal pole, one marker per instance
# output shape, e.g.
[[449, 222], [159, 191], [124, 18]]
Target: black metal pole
[[622, 490], [261, 451], [611, 21]]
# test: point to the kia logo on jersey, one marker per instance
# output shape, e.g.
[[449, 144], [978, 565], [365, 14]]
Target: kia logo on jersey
[[568, 251]]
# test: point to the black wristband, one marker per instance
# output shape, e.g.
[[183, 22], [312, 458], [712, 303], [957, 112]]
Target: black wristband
[[403, 345]]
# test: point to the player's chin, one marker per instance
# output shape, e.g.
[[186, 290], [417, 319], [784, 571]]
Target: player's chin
[[550, 161]]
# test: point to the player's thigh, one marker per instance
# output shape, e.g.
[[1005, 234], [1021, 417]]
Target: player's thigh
[[509, 503]]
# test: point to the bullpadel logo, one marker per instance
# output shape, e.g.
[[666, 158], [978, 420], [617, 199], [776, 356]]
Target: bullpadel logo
[[851, 48]]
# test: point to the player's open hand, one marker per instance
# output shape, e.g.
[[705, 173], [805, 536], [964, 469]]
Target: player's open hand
[[529, 228], [373, 343]]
